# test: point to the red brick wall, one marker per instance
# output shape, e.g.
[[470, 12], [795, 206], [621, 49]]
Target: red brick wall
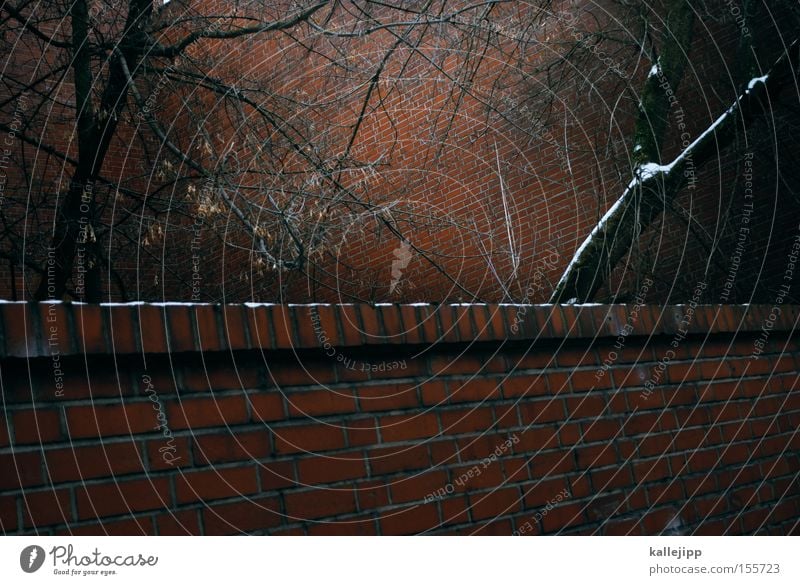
[[476, 420], [554, 202]]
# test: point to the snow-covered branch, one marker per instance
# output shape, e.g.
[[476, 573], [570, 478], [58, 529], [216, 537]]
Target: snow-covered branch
[[654, 186]]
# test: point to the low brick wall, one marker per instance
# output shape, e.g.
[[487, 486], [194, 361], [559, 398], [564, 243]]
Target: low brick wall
[[356, 419]]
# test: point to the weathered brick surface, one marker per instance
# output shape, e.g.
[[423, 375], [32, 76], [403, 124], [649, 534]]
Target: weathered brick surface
[[568, 429]]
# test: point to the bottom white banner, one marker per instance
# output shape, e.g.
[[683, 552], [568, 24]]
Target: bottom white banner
[[356, 560]]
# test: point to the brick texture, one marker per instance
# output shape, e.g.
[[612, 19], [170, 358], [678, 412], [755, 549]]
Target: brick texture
[[563, 430]]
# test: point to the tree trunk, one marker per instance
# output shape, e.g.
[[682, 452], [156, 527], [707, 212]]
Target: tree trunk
[[666, 75], [69, 220], [654, 187], [74, 234]]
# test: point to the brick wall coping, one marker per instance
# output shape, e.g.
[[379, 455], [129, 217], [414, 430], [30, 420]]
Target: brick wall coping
[[61, 328]]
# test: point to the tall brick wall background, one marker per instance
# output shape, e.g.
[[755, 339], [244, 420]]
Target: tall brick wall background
[[360, 419], [439, 146]]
